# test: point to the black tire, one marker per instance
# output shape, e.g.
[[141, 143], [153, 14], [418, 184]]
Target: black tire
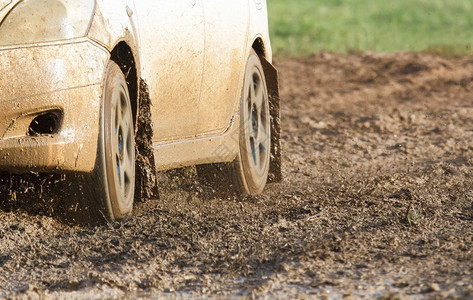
[[110, 187], [248, 174]]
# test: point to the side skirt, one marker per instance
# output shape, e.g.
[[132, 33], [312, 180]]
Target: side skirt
[[199, 151]]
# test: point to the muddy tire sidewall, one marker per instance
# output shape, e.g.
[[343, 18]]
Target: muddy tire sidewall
[[252, 178]]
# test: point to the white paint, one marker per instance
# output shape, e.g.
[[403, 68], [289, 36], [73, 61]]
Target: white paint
[[191, 53]]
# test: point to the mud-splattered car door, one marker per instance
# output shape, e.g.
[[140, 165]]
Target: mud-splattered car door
[[226, 34], [3, 4], [172, 56]]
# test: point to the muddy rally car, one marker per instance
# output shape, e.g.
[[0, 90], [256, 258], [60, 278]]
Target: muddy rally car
[[97, 89]]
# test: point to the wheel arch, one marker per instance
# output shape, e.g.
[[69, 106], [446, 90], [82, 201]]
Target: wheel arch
[[258, 46], [123, 56], [272, 83], [146, 181]]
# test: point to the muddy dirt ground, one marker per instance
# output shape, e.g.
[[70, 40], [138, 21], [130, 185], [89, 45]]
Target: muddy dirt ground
[[377, 201]]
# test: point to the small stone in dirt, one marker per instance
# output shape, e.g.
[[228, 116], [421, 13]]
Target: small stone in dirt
[[23, 289], [431, 288]]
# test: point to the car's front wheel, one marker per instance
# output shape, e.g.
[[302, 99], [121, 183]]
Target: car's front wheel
[[111, 186]]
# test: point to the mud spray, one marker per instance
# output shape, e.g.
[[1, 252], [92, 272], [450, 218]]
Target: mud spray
[[146, 180]]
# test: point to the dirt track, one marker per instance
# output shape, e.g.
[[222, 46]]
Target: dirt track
[[377, 201]]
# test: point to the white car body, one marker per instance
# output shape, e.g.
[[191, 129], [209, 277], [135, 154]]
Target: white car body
[[190, 54]]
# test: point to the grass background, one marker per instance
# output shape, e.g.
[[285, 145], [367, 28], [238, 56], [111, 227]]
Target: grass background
[[302, 27]]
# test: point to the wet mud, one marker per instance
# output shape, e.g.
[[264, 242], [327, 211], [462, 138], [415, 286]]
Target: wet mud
[[376, 202], [272, 84], [147, 184]]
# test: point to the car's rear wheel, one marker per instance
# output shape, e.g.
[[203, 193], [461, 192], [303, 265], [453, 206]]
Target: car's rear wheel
[[252, 164], [248, 174], [111, 185]]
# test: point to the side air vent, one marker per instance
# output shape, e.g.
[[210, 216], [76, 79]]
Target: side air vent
[[46, 124]]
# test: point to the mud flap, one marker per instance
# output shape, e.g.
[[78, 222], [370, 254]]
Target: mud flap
[[272, 82]]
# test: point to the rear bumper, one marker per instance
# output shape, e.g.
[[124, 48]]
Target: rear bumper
[[65, 77]]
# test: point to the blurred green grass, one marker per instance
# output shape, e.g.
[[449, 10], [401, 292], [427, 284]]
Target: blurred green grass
[[302, 27]]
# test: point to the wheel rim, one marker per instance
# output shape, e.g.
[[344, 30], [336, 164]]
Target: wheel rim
[[257, 123], [122, 151]]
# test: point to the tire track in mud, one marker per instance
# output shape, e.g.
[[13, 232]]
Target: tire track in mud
[[377, 200]]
